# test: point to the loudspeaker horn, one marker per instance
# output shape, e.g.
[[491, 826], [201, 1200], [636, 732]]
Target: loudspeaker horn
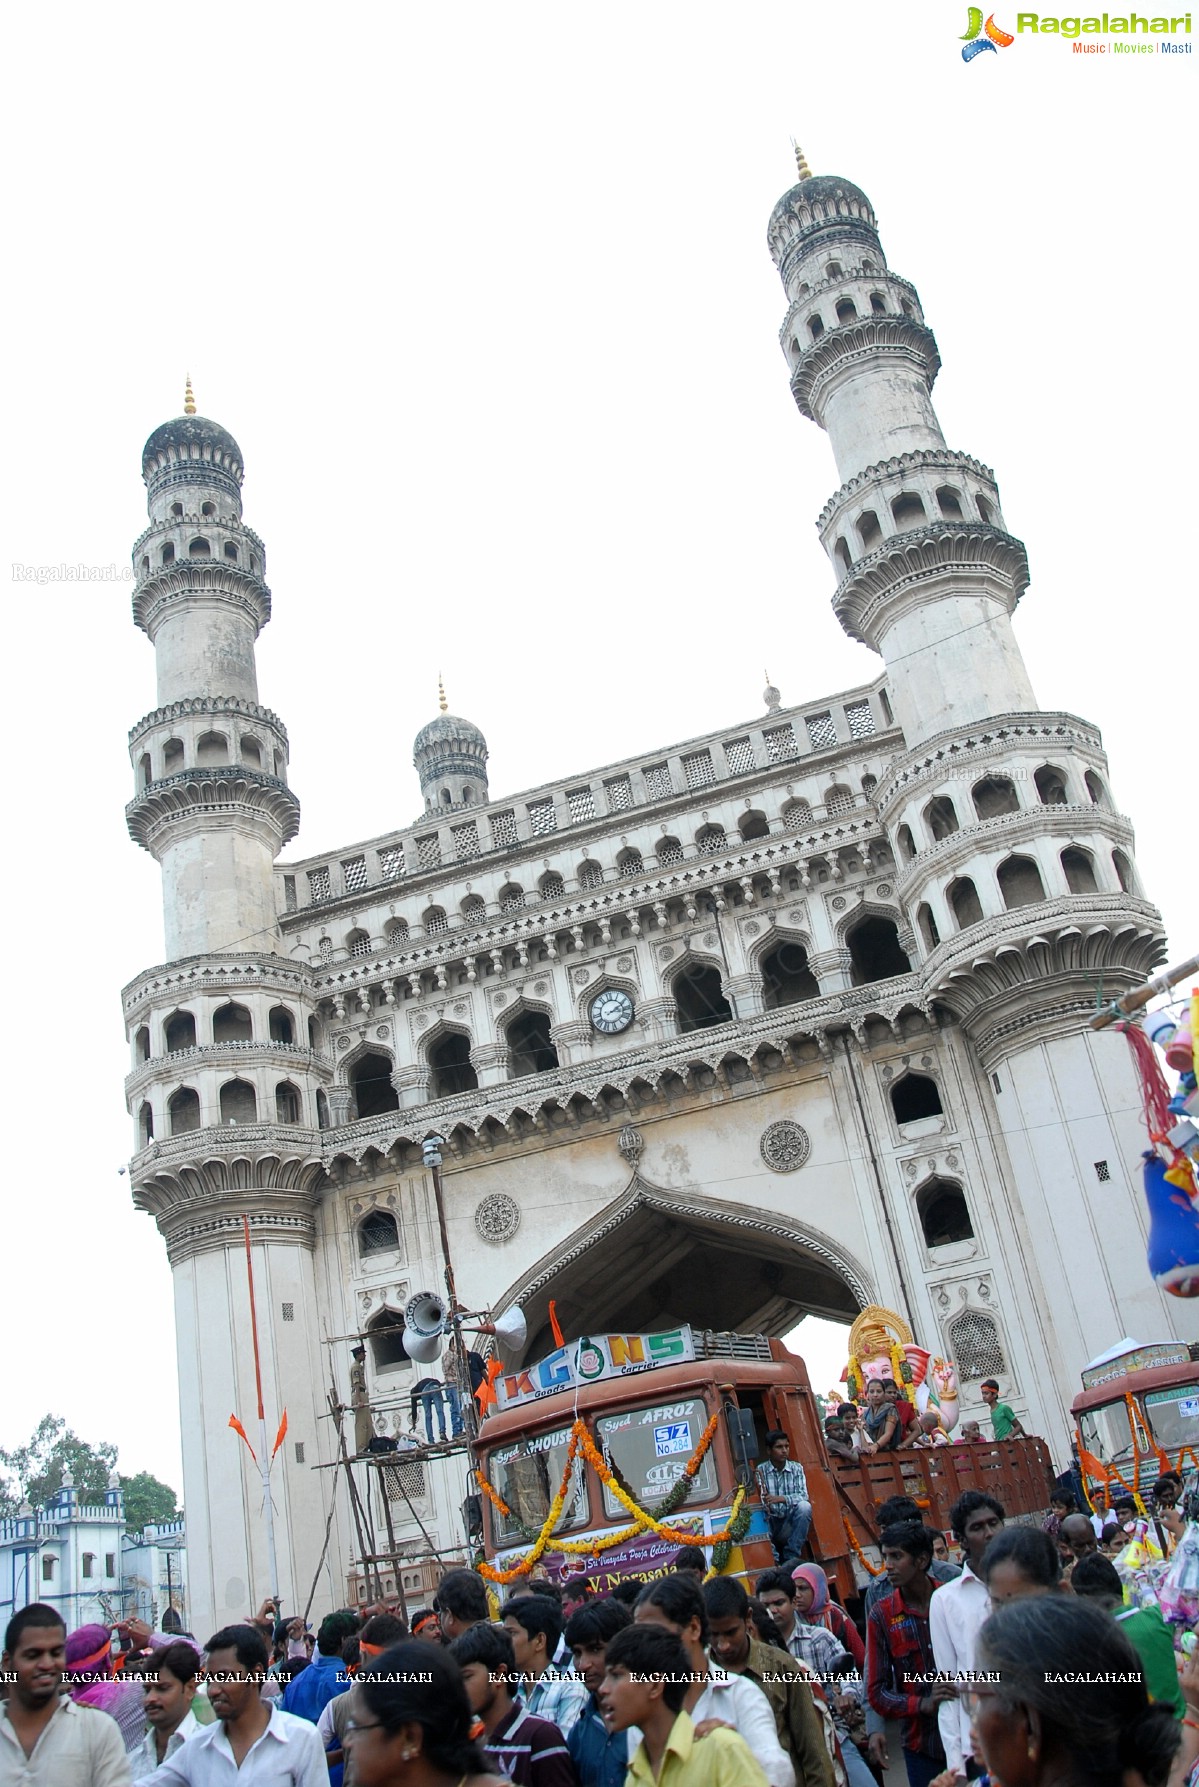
[[424, 1325], [510, 1329], [425, 1314]]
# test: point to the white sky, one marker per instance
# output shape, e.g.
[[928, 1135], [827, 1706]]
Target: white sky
[[482, 290]]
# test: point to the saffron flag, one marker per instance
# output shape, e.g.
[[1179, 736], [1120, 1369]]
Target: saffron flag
[[555, 1326], [280, 1436], [238, 1428]]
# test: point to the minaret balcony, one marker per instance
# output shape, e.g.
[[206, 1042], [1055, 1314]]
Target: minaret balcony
[[235, 1056], [1035, 973], [936, 562], [1063, 825], [230, 793], [895, 496], [866, 339], [165, 587]]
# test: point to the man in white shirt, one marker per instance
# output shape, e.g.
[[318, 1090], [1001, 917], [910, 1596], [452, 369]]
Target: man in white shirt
[[957, 1613], [46, 1741], [168, 1706], [714, 1698], [251, 1744]]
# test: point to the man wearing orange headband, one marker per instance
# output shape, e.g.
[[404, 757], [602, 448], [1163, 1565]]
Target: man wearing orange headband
[[378, 1635]]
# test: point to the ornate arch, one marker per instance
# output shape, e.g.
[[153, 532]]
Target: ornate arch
[[778, 932], [870, 908], [641, 1198], [364, 1046]]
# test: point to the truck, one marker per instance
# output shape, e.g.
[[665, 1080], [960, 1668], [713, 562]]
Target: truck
[[696, 1404], [1136, 1416]]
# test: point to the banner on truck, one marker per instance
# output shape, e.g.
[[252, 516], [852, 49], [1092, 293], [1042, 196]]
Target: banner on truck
[[591, 1358]]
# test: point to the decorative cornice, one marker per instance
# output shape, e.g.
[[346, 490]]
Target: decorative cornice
[[926, 565], [1039, 972], [945, 459], [165, 985], [191, 579], [615, 900], [229, 792], [899, 337], [964, 747], [207, 704]]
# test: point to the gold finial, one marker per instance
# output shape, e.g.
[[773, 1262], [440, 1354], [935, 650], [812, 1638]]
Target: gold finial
[[442, 703], [189, 398], [805, 172]]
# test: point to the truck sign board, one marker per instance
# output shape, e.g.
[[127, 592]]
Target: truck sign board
[[594, 1357]]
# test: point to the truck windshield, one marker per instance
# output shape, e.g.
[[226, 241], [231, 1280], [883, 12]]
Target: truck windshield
[[1105, 1432], [527, 1476], [648, 1448], [1174, 1416]]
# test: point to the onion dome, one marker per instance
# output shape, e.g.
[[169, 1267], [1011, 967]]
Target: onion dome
[[450, 756], [191, 442]]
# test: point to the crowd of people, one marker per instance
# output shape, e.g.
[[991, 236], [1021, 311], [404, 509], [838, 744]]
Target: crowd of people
[[1026, 1662], [888, 1422]]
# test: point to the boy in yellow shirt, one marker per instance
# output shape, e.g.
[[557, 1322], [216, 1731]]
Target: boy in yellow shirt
[[647, 1674]]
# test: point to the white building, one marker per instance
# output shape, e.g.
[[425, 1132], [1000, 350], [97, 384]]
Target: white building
[[79, 1557], [787, 1018]]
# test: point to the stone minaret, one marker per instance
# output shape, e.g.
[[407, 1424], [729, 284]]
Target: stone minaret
[[213, 806], [226, 1062], [1017, 871]]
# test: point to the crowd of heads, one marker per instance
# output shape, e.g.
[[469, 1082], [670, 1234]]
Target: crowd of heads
[[429, 1684]]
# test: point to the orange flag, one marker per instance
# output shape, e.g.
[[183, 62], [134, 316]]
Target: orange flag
[[554, 1324], [238, 1428], [281, 1435]]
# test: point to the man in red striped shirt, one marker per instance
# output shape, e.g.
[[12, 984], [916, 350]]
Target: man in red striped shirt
[[900, 1670]]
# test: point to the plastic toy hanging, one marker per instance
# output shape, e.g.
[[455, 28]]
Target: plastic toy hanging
[[1169, 1165]]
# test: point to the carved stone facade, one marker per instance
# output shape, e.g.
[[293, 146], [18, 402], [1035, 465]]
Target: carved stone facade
[[787, 1018]]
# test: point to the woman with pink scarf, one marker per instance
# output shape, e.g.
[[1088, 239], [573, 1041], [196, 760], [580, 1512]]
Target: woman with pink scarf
[[88, 1677], [813, 1608]]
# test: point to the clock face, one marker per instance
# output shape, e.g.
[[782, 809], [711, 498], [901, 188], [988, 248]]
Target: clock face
[[611, 1011]]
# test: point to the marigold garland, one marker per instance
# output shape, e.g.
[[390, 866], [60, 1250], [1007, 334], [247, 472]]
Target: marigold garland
[[674, 1498], [581, 1441], [857, 1549]]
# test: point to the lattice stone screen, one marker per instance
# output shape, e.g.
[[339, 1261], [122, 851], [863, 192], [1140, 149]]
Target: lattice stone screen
[[974, 1346], [466, 841], [780, 743], [405, 1482], [860, 718], [822, 731]]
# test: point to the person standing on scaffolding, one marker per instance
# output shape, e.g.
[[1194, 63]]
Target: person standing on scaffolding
[[364, 1427]]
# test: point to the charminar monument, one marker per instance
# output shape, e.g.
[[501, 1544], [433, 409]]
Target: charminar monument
[[789, 1018]]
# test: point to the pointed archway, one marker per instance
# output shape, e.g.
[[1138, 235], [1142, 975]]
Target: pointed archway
[[655, 1258]]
